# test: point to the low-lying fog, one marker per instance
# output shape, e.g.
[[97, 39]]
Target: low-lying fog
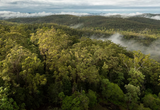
[[11, 14], [153, 49]]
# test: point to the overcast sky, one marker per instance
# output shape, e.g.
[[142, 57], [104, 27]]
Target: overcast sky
[[79, 2], [50, 5]]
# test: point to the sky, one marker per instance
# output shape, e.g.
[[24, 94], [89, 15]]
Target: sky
[[77, 5], [34, 3], [30, 8]]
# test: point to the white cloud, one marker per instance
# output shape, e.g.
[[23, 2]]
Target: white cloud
[[56, 6], [72, 13], [9, 14], [127, 15], [154, 17], [86, 2], [123, 15]]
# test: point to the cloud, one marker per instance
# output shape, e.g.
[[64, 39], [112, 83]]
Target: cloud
[[123, 15], [127, 15], [72, 13], [92, 6], [81, 2], [9, 14], [157, 17]]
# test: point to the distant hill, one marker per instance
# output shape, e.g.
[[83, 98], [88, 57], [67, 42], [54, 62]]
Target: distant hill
[[132, 23]]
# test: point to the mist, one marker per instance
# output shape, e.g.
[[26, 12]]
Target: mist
[[153, 49], [154, 17], [11, 14], [76, 26]]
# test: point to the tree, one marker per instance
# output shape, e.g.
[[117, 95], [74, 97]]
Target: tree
[[139, 60], [135, 67], [111, 91], [141, 107], [151, 101], [136, 77], [50, 43], [5, 46], [92, 98], [78, 101], [132, 96], [5, 102], [19, 66]]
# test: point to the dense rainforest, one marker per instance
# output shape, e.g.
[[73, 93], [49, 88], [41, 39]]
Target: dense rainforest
[[47, 66]]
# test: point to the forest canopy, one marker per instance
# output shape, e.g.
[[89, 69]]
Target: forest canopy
[[52, 67]]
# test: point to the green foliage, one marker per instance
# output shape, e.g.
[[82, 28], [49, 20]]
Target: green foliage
[[53, 92], [61, 95], [92, 98], [52, 65], [111, 91], [5, 46], [78, 101], [151, 101], [105, 70], [136, 77], [138, 61], [132, 95], [67, 87], [6, 103], [21, 64], [141, 107], [97, 22]]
